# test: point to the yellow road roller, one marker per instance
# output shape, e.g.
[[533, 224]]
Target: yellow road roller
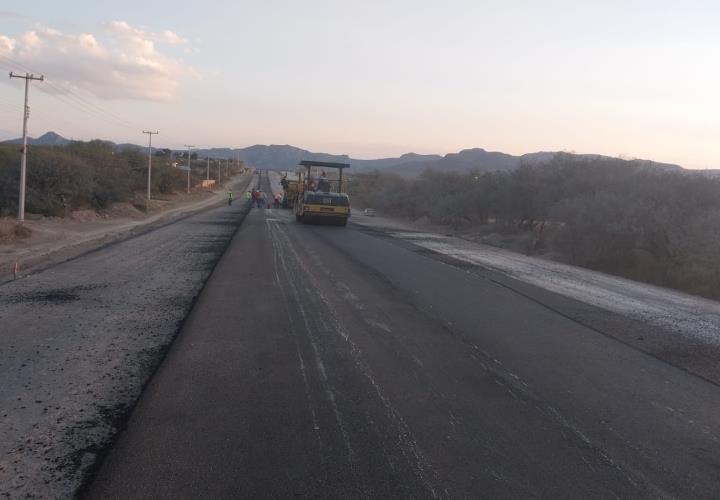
[[320, 198]]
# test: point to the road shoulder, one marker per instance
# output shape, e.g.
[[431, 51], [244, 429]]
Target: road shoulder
[[33, 259]]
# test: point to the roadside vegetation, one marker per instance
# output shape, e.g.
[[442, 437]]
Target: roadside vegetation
[[10, 231], [88, 175], [615, 216]]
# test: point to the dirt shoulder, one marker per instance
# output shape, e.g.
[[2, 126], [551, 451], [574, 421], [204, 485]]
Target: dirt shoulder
[[54, 239]]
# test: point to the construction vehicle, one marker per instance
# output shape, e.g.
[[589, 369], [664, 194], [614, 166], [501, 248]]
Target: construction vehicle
[[321, 199], [290, 183]]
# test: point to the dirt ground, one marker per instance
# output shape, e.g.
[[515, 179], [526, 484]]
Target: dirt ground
[[54, 239]]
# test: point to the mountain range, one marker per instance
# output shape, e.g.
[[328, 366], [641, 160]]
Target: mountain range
[[47, 139], [286, 157]]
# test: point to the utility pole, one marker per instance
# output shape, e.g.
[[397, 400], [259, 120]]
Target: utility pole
[[208, 168], [188, 177], [150, 134], [23, 162]]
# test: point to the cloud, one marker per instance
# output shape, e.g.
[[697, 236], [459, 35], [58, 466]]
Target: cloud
[[123, 29], [7, 45], [170, 37], [122, 62]]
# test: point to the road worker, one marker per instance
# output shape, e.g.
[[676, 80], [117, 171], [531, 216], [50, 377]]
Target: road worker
[[323, 183]]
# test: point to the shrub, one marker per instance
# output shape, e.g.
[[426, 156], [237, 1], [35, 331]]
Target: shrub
[[611, 215]]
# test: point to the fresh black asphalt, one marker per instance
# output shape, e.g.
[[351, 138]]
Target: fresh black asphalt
[[328, 362]]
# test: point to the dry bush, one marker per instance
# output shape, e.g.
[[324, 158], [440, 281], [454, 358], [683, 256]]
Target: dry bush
[[11, 231], [85, 175], [615, 216]]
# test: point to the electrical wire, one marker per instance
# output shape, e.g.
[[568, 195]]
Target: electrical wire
[[13, 107], [89, 106], [10, 101], [70, 98]]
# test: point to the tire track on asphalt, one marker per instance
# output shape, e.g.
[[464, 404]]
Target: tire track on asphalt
[[407, 443], [290, 282]]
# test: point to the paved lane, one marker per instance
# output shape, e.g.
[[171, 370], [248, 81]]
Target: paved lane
[[79, 340], [330, 362]]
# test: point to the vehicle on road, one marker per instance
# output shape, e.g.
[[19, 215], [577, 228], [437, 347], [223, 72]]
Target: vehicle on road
[[320, 198], [290, 183]]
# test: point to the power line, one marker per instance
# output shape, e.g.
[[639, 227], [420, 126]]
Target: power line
[[76, 101], [72, 100], [65, 95], [92, 107], [9, 102], [10, 110], [17, 65]]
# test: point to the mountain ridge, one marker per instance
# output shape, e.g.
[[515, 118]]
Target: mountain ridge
[[287, 157]]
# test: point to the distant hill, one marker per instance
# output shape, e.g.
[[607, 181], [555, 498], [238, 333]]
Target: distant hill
[[488, 161], [465, 160], [287, 157], [47, 139]]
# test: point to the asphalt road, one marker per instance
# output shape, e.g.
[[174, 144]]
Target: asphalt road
[[79, 339], [341, 363]]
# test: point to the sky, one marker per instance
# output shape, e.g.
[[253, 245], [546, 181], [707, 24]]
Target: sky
[[373, 78]]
